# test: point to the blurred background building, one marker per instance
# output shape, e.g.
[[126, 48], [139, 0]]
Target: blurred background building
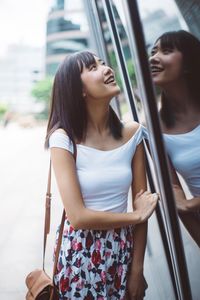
[[191, 13], [158, 22], [67, 32], [20, 68], [26, 71]]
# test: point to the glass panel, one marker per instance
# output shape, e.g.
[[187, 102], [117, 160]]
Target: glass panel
[[66, 46], [67, 32], [175, 65], [156, 268]]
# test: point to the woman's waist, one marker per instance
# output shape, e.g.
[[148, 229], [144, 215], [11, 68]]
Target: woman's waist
[[115, 204]]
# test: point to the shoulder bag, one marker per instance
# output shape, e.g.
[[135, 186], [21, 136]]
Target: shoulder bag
[[40, 285]]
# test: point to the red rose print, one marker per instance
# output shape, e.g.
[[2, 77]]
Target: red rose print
[[78, 262], [112, 270], [75, 278], [89, 241], [103, 276], [117, 281], [96, 257], [79, 247], [64, 284], [71, 229], [90, 297]]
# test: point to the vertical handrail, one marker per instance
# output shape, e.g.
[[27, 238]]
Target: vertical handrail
[[159, 154]]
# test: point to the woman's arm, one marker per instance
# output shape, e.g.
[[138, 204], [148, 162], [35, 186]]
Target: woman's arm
[[186, 208], [139, 183], [81, 217], [137, 283], [183, 204]]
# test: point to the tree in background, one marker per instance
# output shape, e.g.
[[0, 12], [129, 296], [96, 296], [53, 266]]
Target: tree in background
[[130, 67], [42, 93]]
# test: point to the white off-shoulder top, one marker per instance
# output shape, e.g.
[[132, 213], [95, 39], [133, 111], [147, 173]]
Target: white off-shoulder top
[[104, 176], [184, 152]]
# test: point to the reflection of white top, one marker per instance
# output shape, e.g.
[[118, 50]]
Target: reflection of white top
[[104, 176], [184, 152]]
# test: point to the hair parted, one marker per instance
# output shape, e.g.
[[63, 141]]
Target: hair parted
[[189, 46], [68, 109]]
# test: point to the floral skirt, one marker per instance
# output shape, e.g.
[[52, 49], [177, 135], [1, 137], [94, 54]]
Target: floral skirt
[[93, 264]]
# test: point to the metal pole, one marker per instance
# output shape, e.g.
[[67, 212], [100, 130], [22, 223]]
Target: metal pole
[[180, 268]]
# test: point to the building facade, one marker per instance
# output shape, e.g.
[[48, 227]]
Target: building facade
[[20, 68], [191, 13], [67, 32]]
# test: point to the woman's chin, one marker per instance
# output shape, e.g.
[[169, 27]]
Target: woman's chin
[[158, 82], [118, 90]]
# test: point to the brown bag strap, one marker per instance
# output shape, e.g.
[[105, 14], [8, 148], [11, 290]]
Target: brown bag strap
[[47, 213], [48, 220], [59, 243]]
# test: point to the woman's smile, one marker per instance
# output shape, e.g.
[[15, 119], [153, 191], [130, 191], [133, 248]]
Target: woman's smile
[[156, 70], [110, 80]]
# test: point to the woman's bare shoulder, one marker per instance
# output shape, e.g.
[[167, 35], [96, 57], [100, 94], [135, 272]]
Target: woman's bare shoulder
[[130, 129], [60, 130]]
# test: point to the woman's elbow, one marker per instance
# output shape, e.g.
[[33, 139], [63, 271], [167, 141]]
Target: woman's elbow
[[77, 220]]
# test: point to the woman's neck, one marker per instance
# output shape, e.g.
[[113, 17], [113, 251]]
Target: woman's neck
[[182, 105], [98, 117], [179, 97]]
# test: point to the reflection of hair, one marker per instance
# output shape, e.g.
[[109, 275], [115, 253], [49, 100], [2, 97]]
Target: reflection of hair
[[189, 46], [68, 108]]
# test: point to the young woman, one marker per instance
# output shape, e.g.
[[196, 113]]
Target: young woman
[[97, 253], [175, 65]]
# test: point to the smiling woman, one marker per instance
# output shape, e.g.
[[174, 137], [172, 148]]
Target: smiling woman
[[99, 82], [175, 65], [96, 259], [166, 64]]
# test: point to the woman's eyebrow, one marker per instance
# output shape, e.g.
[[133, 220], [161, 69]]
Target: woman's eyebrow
[[154, 48], [100, 60]]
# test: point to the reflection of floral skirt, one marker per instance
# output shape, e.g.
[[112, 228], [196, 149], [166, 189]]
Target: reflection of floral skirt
[[93, 263]]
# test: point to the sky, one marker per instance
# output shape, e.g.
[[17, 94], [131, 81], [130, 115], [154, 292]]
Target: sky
[[24, 21]]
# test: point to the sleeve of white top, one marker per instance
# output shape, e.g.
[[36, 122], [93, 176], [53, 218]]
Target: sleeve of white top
[[145, 133], [60, 140], [141, 134]]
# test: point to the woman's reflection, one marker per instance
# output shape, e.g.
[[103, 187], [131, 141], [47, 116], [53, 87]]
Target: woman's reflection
[[175, 67]]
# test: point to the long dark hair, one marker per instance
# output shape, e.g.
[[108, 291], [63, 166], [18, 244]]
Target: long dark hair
[[68, 109], [189, 46]]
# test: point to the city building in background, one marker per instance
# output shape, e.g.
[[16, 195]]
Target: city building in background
[[20, 68], [191, 13], [158, 22], [67, 32]]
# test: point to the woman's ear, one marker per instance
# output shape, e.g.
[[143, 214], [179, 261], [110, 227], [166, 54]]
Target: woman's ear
[[84, 94]]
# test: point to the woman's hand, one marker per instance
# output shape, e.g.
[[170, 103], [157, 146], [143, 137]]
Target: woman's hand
[[181, 201], [136, 286], [144, 204]]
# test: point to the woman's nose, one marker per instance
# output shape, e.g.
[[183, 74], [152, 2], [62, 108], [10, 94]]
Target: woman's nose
[[107, 70], [154, 58]]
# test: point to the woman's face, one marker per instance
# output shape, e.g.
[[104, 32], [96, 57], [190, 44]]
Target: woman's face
[[99, 81], [166, 65]]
